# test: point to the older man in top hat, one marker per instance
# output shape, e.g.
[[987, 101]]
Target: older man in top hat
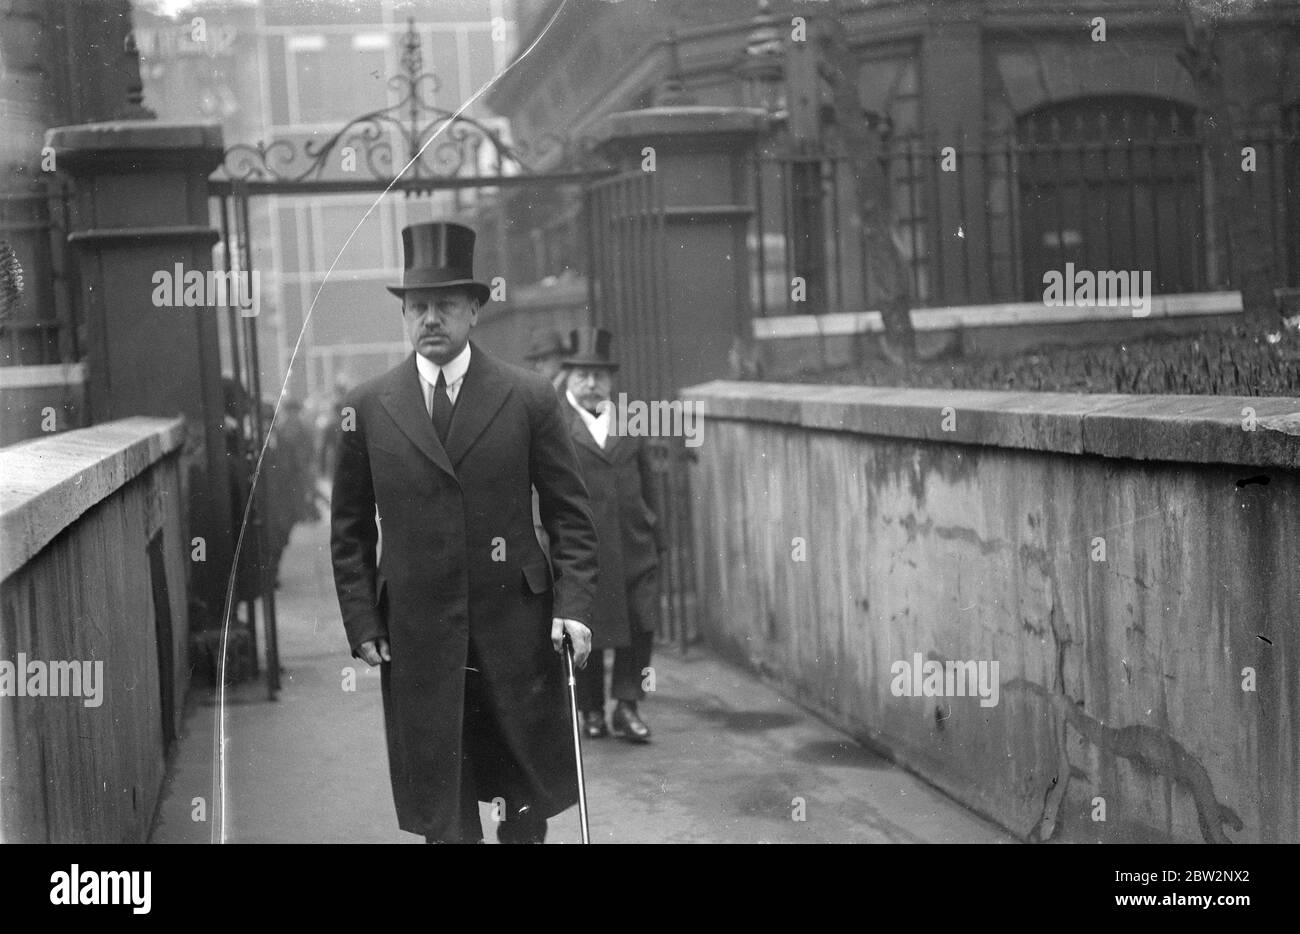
[[459, 607], [625, 502]]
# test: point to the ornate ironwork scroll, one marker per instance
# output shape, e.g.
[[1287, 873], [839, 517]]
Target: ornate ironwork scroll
[[413, 139]]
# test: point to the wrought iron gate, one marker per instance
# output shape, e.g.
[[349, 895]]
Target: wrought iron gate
[[627, 286]]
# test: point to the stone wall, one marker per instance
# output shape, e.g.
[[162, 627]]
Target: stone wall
[[93, 563], [1128, 562]]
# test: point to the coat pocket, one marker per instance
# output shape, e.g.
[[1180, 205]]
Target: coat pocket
[[537, 576]]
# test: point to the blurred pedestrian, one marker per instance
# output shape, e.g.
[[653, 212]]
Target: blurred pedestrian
[[329, 427], [545, 353], [294, 437], [281, 496], [625, 505], [236, 429]]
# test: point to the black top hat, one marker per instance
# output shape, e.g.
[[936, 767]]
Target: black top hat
[[547, 343], [439, 255], [590, 347]]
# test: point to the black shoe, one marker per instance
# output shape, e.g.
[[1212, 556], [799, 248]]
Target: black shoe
[[593, 724], [628, 725], [522, 828]]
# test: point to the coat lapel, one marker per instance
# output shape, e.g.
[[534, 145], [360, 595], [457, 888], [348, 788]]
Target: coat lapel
[[404, 401], [580, 434], [481, 395]]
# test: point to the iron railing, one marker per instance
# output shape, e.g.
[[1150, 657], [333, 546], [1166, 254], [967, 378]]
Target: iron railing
[[627, 285], [981, 224], [35, 224]]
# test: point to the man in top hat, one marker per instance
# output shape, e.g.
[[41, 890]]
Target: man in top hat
[[460, 608], [545, 355], [625, 503]]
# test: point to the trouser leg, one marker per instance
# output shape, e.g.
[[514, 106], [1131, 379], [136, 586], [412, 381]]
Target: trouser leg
[[631, 662], [590, 683], [629, 665]]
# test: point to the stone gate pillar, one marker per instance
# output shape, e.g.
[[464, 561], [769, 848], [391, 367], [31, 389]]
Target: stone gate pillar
[[140, 208], [701, 155]]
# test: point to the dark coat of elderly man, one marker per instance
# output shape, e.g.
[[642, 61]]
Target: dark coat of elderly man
[[625, 503], [455, 600]]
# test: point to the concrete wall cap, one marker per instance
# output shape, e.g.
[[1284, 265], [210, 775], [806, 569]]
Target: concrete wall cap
[[1198, 304], [49, 482], [42, 374], [134, 135], [1252, 431]]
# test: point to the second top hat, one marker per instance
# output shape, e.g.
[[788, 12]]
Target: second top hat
[[591, 347], [438, 255]]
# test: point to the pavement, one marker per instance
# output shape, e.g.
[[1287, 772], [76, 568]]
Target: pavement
[[732, 761]]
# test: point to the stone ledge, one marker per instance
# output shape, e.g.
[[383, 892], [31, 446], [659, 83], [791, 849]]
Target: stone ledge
[[694, 120], [42, 374], [947, 318], [46, 484], [1190, 429], [132, 135]]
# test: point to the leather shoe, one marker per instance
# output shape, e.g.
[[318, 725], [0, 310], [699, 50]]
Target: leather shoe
[[522, 828], [593, 724], [628, 725]]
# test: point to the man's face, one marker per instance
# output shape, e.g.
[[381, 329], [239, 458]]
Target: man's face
[[438, 321], [548, 366], [590, 385]]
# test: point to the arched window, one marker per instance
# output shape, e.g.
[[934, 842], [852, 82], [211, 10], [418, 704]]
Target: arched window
[[1113, 183]]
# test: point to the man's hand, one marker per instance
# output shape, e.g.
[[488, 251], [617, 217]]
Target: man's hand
[[580, 635], [374, 652]]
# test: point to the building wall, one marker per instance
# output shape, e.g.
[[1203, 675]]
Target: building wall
[[63, 62], [958, 74]]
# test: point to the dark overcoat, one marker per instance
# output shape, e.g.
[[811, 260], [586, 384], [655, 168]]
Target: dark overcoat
[[459, 560], [626, 506]]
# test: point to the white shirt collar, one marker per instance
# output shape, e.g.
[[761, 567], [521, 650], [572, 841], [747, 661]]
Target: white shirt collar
[[598, 425], [454, 370]]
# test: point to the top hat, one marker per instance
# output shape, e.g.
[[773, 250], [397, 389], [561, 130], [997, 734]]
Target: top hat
[[590, 347], [547, 343], [439, 255]]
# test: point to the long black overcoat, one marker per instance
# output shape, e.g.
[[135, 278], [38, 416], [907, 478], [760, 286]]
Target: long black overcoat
[[626, 506], [459, 559]]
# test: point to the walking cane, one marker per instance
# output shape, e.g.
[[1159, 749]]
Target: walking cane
[[577, 736]]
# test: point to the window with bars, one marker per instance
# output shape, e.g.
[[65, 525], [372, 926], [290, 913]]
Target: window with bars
[[1113, 183]]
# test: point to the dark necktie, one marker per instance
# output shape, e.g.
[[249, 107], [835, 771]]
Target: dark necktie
[[441, 408]]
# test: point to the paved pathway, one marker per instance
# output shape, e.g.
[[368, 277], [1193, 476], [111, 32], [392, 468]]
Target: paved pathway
[[729, 758]]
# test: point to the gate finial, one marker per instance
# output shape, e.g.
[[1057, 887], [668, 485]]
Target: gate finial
[[412, 65]]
